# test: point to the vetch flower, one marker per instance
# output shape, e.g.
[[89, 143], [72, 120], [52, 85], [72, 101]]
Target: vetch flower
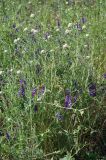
[[83, 20], [34, 91], [92, 89], [41, 92], [68, 101], [58, 23], [21, 91], [104, 75], [35, 108], [7, 136], [78, 25], [59, 116]]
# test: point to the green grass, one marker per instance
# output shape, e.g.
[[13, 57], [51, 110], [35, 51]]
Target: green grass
[[80, 134]]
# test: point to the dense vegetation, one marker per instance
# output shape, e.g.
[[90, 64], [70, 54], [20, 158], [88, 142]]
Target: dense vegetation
[[53, 80]]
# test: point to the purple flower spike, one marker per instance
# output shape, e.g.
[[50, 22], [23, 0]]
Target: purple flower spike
[[22, 82], [46, 35], [59, 116], [21, 91], [68, 101], [67, 91], [34, 91], [78, 25], [35, 108], [92, 90], [41, 92], [58, 23], [7, 136], [83, 20], [104, 75]]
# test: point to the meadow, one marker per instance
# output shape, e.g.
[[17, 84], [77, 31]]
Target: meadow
[[52, 80]]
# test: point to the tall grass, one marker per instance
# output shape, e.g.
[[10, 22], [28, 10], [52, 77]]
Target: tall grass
[[52, 53]]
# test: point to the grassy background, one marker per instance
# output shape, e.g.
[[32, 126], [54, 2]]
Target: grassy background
[[25, 134]]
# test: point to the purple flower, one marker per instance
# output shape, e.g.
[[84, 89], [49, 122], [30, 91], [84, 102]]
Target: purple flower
[[22, 82], [21, 91], [79, 27], [7, 136], [67, 91], [104, 75], [68, 101], [59, 116], [46, 35], [83, 20], [92, 89], [34, 91], [35, 108], [58, 23], [41, 92], [1, 134]]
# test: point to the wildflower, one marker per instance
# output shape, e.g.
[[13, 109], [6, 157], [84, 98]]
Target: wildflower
[[1, 92], [78, 25], [1, 134], [67, 31], [57, 29], [84, 26], [7, 136], [68, 101], [14, 25], [104, 75], [16, 40], [83, 20], [92, 89], [35, 108], [19, 71], [34, 91], [59, 116], [5, 51], [69, 25], [58, 23], [32, 15], [65, 46], [34, 31], [1, 72], [46, 36], [87, 35], [21, 91], [42, 51], [67, 91], [41, 92], [25, 29], [22, 82]]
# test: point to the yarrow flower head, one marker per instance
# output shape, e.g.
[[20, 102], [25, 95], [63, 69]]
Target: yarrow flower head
[[92, 89]]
